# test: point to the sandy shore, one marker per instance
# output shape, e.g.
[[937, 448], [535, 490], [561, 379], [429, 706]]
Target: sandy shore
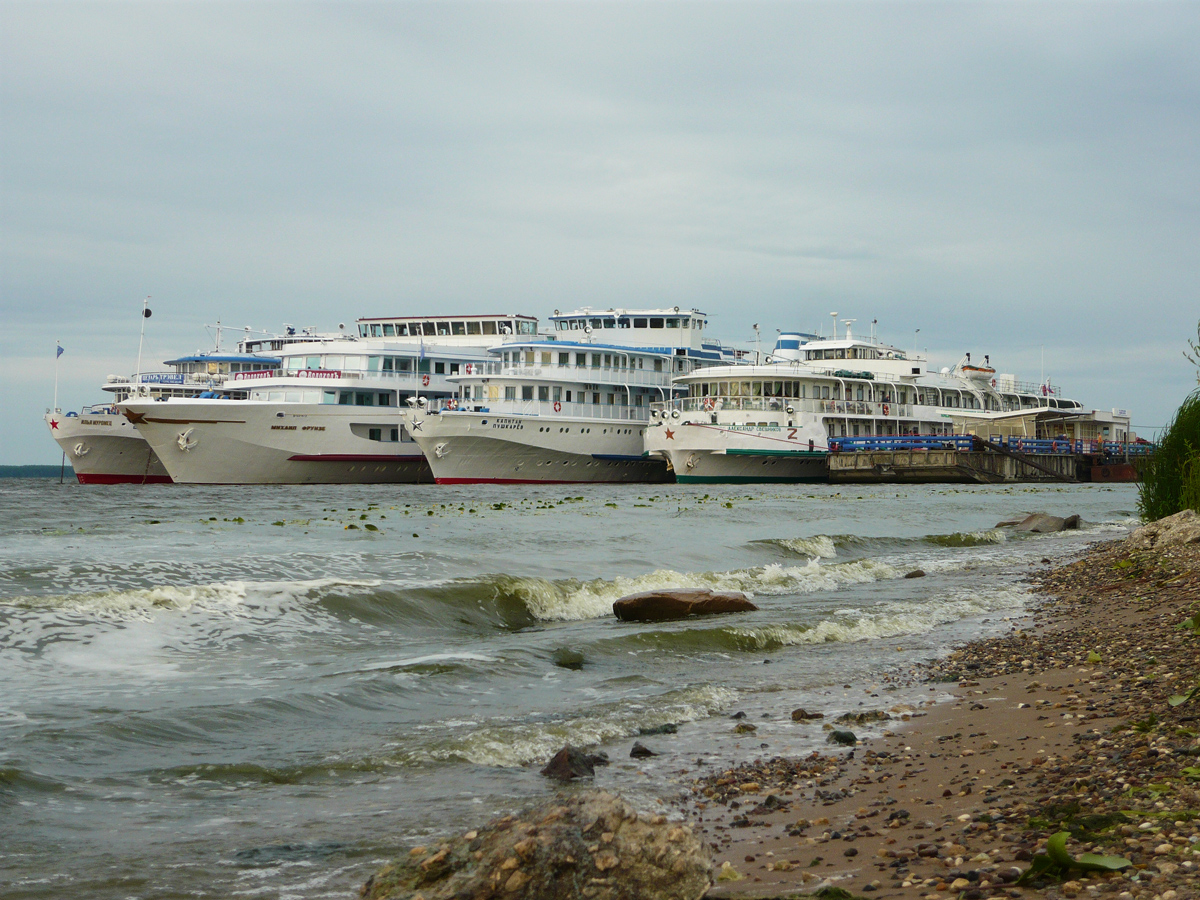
[[1062, 725]]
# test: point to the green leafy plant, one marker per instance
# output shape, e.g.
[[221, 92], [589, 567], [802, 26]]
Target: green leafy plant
[[1170, 478], [1056, 863], [1180, 699]]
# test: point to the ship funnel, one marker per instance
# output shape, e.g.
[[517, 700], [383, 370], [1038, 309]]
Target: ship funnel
[[787, 348]]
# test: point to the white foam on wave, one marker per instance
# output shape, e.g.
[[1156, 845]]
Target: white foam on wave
[[510, 745], [890, 619], [820, 546], [434, 658], [564, 601], [145, 603]]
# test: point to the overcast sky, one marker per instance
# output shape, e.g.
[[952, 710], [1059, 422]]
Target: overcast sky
[[1015, 179]]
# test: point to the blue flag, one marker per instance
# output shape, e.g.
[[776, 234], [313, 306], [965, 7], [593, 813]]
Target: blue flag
[[60, 351]]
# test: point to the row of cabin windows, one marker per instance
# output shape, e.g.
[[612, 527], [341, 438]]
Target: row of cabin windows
[[558, 394], [342, 398], [372, 364], [581, 360], [222, 368], [800, 390], [853, 353], [598, 322], [446, 328]]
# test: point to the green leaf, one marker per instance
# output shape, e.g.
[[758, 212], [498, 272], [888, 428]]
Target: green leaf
[[1093, 657], [1091, 862], [1180, 699], [1056, 849], [1042, 865]]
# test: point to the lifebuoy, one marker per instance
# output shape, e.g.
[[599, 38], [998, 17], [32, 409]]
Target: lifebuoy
[[451, 403], [709, 404], [425, 380], [468, 367], [557, 406], [885, 409]]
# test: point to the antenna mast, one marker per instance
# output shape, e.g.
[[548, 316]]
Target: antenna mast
[[142, 338]]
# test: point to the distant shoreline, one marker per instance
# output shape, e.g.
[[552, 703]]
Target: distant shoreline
[[50, 471]]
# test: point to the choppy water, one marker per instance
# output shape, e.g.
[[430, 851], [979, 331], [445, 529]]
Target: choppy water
[[248, 692]]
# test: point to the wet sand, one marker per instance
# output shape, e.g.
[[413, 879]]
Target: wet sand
[[1062, 725]]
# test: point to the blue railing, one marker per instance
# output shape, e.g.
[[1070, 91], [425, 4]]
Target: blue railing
[[967, 442]]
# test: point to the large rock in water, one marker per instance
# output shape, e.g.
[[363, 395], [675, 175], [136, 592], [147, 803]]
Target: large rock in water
[[589, 845], [571, 762], [663, 606], [1040, 523], [1181, 528]]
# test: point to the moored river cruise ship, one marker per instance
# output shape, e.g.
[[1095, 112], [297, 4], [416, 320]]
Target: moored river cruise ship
[[104, 447], [329, 413], [774, 422], [567, 407]]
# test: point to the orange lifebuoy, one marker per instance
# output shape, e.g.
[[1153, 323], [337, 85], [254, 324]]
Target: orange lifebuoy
[[885, 409], [468, 368], [451, 403], [425, 380], [709, 404], [557, 406]]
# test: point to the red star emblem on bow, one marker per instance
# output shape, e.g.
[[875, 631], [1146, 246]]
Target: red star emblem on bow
[[670, 435], [53, 425]]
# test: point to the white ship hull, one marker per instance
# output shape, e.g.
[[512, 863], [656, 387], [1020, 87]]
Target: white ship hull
[[105, 448], [261, 442], [702, 453], [466, 447]]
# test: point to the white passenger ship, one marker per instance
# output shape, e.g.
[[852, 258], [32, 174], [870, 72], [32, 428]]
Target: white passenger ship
[[774, 422], [570, 406], [104, 447], [328, 415]]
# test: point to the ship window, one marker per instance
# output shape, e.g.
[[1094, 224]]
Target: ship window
[[595, 323], [479, 392], [439, 368], [453, 368], [581, 359], [329, 397], [641, 323], [545, 357], [374, 434], [385, 399], [458, 328], [557, 393], [489, 327], [510, 392], [362, 330], [389, 330], [672, 323], [401, 329], [527, 327], [429, 328], [608, 360], [543, 392], [623, 322], [860, 395], [443, 328], [362, 398], [395, 435], [656, 323], [637, 399], [376, 331], [825, 392], [658, 365], [568, 396], [685, 322], [595, 360], [527, 392], [346, 399], [472, 328], [423, 366], [612, 399], [610, 323], [596, 398], [564, 359]]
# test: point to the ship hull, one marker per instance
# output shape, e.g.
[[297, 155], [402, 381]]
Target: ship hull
[[479, 448], [105, 448], [739, 453], [250, 442]]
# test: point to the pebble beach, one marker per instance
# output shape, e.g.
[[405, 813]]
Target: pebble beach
[[1063, 725]]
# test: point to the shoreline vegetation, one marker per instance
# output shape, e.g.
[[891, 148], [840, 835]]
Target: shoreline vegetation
[[1059, 760]]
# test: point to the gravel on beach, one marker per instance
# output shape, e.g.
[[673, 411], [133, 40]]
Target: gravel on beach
[[1064, 724]]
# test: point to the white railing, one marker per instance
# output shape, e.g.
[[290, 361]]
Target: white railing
[[702, 405], [589, 375]]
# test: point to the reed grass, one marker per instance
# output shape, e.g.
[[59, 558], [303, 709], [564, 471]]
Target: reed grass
[[1171, 477]]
